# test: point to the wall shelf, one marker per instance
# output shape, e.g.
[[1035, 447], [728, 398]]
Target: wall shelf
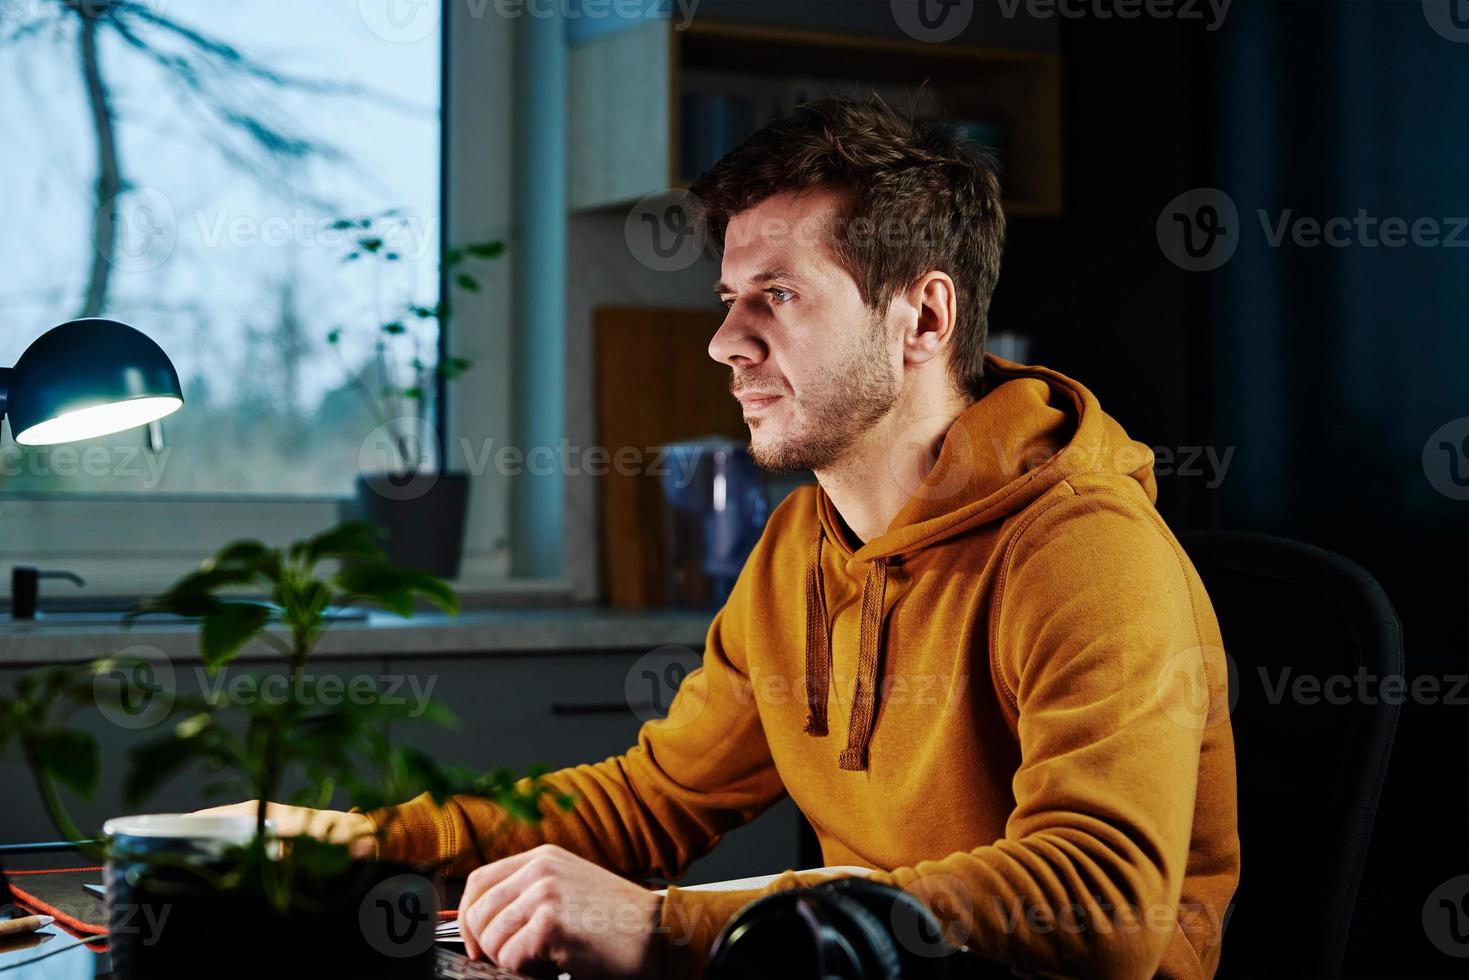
[[633, 93]]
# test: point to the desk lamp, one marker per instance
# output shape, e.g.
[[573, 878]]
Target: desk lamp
[[84, 379]]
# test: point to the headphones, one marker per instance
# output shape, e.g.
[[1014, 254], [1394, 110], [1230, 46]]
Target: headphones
[[843, 929]]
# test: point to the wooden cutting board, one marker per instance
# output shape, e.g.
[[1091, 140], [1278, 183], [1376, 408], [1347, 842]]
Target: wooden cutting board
[[655, 384]]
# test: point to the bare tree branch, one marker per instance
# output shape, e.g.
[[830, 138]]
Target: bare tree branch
[[234, 57], [109, 177]]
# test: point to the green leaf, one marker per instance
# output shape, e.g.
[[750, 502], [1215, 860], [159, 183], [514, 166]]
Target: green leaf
[[394, 329], [467, 282], [395, 588], [376, 712], [414, 393], [351, 539], [334, 336], [196, 594], [72, 758], [370, 243], [227, 628], [245, 558], [486, 250], [154, 763], [453, 368], [453, 256]]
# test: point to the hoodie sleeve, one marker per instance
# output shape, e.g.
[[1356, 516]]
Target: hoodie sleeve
[[693, 776], [1098, 614]]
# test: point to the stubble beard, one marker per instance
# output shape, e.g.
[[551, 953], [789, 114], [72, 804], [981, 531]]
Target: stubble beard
[[834, 413]]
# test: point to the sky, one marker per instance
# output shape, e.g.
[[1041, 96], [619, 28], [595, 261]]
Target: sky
[[202, 243]]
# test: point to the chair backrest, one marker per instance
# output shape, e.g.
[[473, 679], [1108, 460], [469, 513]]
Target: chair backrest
[[1316, 680]]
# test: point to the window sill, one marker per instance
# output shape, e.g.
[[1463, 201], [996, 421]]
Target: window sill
[[476, 631]]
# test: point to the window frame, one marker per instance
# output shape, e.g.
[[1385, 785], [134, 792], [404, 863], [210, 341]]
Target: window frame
[[127, 546]]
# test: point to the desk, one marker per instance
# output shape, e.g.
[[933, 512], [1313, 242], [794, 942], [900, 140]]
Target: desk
[[58, 952], [67, 953]]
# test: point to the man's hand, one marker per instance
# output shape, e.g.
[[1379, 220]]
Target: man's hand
[[546, 906], [332, 826]]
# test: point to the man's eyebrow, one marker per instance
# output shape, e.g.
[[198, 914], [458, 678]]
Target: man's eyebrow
[[768, 275]]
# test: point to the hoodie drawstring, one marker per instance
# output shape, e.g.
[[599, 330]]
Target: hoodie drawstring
[[818, 656], [864, 702], [818, 643]]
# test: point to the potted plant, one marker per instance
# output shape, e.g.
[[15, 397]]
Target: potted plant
[[227, 900], [403, 486]]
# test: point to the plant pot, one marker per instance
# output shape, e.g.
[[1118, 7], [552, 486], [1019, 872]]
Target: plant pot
[[423, 516], [166, 920]]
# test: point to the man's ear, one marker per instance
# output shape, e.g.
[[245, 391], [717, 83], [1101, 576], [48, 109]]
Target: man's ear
[[930, 331]]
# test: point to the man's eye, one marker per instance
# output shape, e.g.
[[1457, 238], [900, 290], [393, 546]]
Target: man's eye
[[728, 304], [781, 295]]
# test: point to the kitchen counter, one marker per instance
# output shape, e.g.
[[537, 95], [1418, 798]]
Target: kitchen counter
[[379, 634]]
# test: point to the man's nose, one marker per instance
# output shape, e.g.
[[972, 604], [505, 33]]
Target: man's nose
[[737, 342]]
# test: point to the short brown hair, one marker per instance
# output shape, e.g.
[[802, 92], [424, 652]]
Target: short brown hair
[[895, 173]]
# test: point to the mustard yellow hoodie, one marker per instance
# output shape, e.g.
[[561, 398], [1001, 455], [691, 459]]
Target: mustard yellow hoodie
[[1012, 704]]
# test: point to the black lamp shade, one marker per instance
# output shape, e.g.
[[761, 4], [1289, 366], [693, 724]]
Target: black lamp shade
[[87, 378]]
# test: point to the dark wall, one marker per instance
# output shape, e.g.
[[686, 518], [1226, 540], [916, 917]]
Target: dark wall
[[1092, 289], [1336, 364]]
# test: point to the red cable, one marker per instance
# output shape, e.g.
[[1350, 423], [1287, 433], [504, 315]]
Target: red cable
[[70, 921]]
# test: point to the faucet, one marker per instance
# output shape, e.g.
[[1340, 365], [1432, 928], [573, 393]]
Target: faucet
[[25, 582]]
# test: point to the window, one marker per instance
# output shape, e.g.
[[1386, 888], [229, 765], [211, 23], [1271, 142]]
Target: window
[[242, 145]]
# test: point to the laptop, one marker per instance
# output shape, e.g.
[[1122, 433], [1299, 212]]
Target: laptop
[[452, 965]]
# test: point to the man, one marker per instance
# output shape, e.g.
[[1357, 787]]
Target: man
[[973, 654]]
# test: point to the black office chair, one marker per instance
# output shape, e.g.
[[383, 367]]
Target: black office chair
[[1309, 774]]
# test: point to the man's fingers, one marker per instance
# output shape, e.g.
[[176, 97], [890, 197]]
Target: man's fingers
[[471, 948], [228, 810], [510, 921], [485, 877], [533, 944], [481, 914]]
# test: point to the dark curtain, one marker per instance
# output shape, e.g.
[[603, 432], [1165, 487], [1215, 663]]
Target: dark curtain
[[1334, 366]]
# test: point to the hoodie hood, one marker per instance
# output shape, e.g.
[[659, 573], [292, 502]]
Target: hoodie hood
[[1032, 429]]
